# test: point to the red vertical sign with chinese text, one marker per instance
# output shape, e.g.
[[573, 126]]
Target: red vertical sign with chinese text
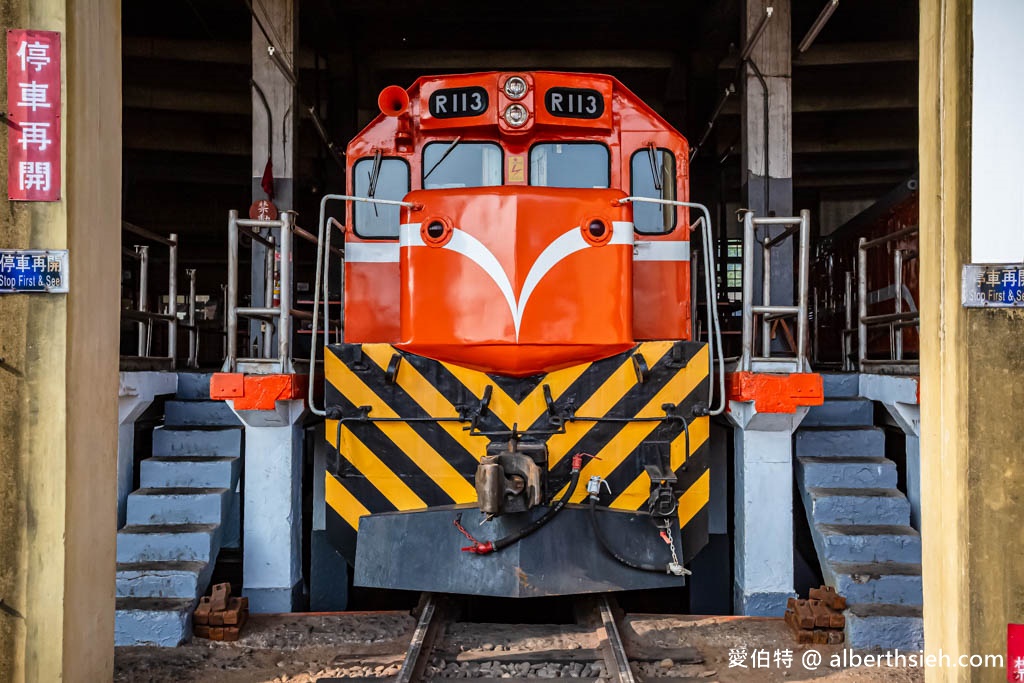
[[33, 106], [1015, 652]]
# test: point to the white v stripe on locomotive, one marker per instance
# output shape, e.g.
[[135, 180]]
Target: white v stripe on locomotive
[[649, 250], [564, 245], [387, 252]]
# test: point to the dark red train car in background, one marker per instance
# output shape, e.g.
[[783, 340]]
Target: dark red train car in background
[[885, 225]]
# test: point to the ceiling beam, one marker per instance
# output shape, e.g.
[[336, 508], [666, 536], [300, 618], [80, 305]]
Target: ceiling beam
[[812, 103], [202, 51], [464, 60], [196, 101], [837, 54]]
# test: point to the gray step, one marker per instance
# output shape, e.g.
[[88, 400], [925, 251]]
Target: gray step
[[869, 543], [836, 385], [190, 471], [842, 412], [846, 472], [167, 543], [178, 506], [199, 414], [857, 506], [889, 583], [870, 627], [170, 443], [194, 385], [825, 442], [147, 621], [162, 579]]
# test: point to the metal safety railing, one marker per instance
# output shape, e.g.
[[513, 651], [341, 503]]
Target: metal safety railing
[[145, 318], [715, 354], [896, 321], [769, 361], [276, 317]]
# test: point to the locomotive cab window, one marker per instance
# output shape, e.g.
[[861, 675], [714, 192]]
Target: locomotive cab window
[[563, 164], [379, 221], [652, 173], [461, 164]]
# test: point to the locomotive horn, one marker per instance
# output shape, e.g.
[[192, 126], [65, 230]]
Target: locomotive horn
[[393, 100]]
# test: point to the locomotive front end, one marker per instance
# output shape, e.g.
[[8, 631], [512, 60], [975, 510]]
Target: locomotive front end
[[518, 408]]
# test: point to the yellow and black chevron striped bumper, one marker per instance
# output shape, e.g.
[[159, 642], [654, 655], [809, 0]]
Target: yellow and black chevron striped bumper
[[412, 430]]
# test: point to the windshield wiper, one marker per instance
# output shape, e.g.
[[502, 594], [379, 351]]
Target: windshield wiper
[[655, 171], [374, 177], [443, 157]]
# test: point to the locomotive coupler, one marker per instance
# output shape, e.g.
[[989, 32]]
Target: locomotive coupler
[[510, 477]]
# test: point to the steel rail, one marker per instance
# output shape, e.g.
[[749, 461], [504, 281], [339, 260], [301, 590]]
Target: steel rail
[[615, 659], [429, 627]]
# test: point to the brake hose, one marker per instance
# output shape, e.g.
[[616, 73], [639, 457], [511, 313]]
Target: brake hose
[[486, 548]]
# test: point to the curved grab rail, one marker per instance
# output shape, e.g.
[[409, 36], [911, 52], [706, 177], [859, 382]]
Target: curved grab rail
[[711, 288]]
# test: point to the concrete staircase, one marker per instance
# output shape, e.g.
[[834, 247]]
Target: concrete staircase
[[185, 510], [859, 520]]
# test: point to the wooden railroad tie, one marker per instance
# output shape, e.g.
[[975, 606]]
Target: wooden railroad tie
[[818, 620], [220, 616]]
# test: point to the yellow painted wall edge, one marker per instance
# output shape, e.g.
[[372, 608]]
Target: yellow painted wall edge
[[58, 376], [972, 361]]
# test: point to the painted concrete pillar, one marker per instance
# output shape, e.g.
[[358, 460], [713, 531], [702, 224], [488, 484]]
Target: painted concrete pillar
[[136, 392], [274, 120], [766, 115], [272, 504], [901, 398], [273, 410], [763, 518]]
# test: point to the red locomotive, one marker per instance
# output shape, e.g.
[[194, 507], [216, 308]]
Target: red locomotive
[[518, 407]]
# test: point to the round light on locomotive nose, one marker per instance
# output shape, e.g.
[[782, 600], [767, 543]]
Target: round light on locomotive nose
[[515, 88], [597, 228], [436, 229], [516, 115]]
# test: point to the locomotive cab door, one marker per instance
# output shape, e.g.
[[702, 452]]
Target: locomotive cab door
[[654, 165]]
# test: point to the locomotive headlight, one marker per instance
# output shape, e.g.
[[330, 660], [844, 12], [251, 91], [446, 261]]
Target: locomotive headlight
[[516, 115], [515, 88]]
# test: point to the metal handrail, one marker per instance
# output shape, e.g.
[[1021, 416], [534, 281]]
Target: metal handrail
[[896, 321], [323, 267], [278, 318], [711, 288], [142, 315], [795, 225]]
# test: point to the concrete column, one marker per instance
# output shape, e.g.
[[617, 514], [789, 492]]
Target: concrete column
[[763, 518], [899, 395], [274, 119], [272, 530], [136, 392], [768, 154], [58, 375], [972, 511]]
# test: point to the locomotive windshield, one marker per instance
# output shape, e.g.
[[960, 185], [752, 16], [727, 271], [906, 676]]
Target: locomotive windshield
[[563, 164], [392, 182], [461, 164], [652, 174]]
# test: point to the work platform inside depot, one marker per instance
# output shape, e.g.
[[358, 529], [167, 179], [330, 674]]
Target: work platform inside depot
[[187, 408]]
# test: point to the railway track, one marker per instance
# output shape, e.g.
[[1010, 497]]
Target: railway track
[[598, 617]]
